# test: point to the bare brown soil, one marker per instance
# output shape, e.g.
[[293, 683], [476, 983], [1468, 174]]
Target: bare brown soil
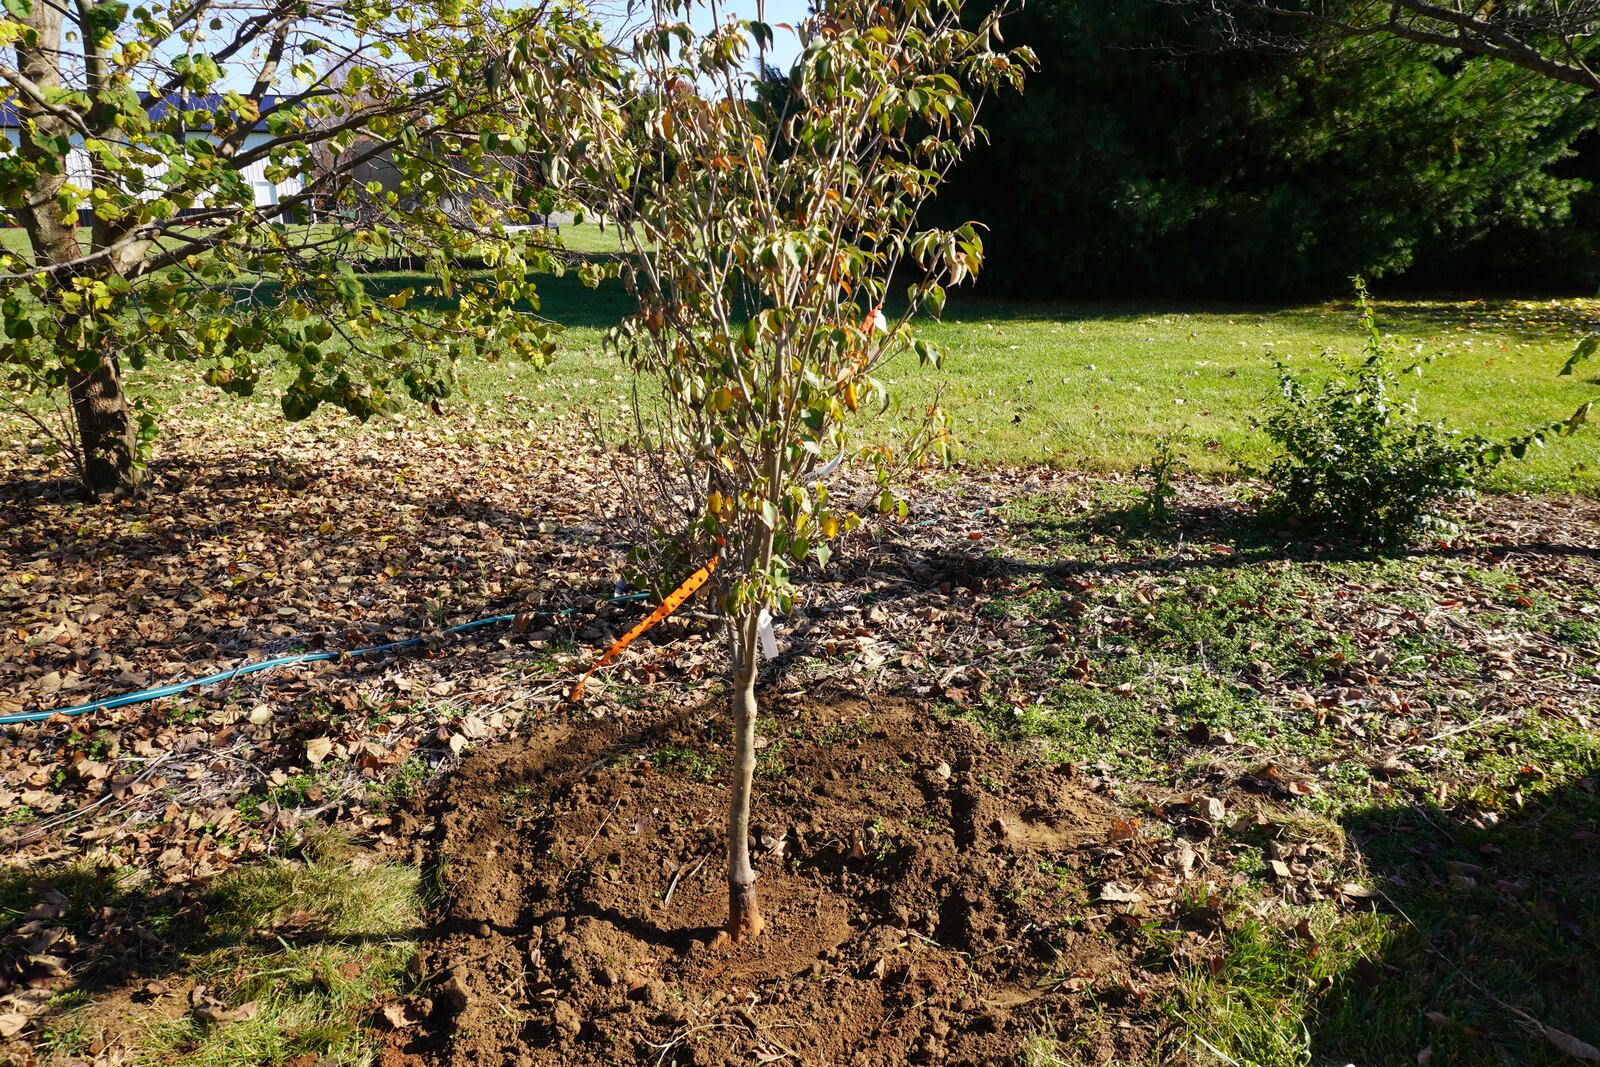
[[930, 898]]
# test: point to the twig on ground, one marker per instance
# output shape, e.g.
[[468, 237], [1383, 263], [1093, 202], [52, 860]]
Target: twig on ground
[[590, 843], [673, 887], [1567, 1043], [63, 819]]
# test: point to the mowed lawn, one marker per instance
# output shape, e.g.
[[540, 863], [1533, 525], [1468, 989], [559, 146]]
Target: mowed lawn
[[1096, 386]]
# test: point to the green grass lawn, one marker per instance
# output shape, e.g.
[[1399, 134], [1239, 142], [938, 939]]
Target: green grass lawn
[[587, 237], [297, 958], [1095, 386], [590, 237]]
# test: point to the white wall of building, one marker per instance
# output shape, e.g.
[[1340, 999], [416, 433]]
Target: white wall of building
[[266, 191]]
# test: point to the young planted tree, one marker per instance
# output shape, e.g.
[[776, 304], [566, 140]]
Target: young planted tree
[[765, 238], [186, 177]]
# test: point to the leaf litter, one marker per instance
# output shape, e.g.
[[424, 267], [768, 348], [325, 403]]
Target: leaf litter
[[308, 538]]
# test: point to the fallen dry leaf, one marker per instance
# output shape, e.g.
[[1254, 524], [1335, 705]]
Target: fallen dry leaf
[[1119, 893], [1572, 1046]]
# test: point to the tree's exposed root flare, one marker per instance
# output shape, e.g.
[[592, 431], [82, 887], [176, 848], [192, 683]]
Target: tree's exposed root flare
[[744, 916]]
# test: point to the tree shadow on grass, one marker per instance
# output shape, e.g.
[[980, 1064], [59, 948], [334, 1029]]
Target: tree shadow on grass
[[1207, 541], [1540, 320], [1487, 919], [1129, 521], [1228, 534], [81, 935]]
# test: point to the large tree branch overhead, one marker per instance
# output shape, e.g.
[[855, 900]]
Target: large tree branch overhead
[[208, 181], [1552, 38]]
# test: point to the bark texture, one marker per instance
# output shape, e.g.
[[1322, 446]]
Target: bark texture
[[106, 431], [744, 911], [107, 437]]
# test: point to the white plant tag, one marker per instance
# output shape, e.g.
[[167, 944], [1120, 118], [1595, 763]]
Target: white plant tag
[[769, 638]]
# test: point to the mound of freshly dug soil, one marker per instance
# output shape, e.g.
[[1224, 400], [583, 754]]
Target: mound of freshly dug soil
[[927, 895]]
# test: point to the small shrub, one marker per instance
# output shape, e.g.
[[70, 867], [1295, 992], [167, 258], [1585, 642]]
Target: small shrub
[[1165, 462], [1354, 459]]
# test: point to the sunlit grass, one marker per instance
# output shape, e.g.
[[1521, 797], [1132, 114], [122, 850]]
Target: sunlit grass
[[1095, 387], [304, 954]]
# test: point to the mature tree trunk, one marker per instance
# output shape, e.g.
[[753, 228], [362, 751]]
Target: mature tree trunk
[[744, 914], [106, 433], [107, 437]]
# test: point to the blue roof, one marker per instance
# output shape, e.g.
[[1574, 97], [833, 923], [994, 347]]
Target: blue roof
[[159, 109]]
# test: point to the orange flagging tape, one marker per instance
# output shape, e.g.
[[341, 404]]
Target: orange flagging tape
[[673, 602]]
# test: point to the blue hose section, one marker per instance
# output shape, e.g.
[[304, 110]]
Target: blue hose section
[[176, 688]]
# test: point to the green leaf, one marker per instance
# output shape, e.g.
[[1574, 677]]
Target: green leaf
[[20, 8], [101, 20]]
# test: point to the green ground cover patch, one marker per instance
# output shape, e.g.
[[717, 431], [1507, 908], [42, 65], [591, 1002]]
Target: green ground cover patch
[[1469, 823], [1097, 386], [271, 961]]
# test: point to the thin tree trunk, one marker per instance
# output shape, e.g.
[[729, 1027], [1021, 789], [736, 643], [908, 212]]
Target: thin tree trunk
[[106, 430], [744, 913]]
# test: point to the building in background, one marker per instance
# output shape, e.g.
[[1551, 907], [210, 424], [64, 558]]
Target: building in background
[[265, 190]]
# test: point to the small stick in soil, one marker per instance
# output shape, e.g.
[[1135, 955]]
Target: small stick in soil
[[681, 1037], [673, 887], [590, 843], [597, 764], [937, 945]]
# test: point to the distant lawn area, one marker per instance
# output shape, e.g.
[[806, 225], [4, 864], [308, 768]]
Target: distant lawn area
[[1096, 386], [586, 237]]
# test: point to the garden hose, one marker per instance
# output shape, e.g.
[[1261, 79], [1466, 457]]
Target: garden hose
[[176, 688]]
